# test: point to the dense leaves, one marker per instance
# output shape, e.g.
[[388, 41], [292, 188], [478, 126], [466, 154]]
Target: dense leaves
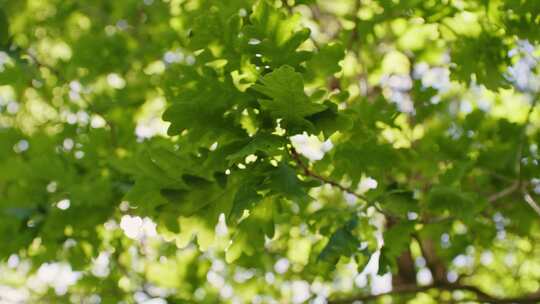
[[201, 151]]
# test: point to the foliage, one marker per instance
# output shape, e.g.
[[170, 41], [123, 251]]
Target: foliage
[[269, 151]]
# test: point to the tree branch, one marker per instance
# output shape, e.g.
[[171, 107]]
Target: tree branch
[[309, 173], [413, 289], [529, 199], [504, 192]]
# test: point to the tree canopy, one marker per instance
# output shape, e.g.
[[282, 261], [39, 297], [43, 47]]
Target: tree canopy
[[241, 151]]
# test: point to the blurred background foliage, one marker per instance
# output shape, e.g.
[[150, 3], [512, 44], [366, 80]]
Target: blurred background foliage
[[320, 151]]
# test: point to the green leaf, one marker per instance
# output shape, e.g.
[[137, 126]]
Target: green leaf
[[215, 27], [200, 109], [288, 101], [251, 232], [400, 203], [276, 36], [245, 199], [283, 180], [485, 57], [200, 194], [268, 144], [331, 120], [341, 243], [325, 62], [365, 156], [455, 201]]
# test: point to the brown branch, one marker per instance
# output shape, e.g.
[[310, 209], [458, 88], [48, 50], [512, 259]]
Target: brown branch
[[434, 263], [505, 192], [529, 199], [413, 289], [307, 172], [406, 273], [369, 202]]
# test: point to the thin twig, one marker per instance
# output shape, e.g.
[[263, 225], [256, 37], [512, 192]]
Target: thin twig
[[369, 202], [308, 172], [529, 199], [505, 192]]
